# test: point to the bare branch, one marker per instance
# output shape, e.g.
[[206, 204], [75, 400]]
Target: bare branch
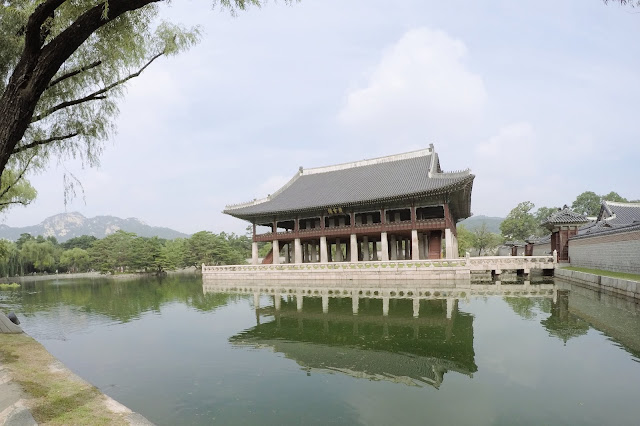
[[7, 203], [43, 142], [20, 175], [74, 73], [97, 94], [91, 97]]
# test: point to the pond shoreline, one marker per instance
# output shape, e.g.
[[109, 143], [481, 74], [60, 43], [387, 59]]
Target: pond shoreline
[[92, 275], [36, 387]]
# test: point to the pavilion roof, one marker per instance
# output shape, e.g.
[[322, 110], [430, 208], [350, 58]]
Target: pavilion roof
[[412, 174], [564, 216]]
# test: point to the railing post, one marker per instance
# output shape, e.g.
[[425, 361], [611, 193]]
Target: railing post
[[555, 256]]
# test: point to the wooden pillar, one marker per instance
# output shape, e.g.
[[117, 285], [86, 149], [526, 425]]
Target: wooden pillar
[[435, 244]]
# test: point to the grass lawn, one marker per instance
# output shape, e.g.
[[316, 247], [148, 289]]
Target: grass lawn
[[623, 275], [56, 396]]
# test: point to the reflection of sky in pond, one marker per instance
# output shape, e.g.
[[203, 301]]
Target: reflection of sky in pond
[[180, 356]]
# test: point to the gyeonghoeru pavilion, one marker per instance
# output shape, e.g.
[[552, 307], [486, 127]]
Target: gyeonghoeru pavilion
[[390, 208]]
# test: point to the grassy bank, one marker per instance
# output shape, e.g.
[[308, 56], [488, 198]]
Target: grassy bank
[[621, 275], [56, 396]]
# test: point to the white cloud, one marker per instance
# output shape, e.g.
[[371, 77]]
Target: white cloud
[[421, 88]]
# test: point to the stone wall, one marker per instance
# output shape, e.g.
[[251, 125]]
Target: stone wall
[[541, 249], [616, 250], [613, 285]]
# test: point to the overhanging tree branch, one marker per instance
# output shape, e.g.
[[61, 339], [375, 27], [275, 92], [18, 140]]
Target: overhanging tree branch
[[74, 73], [43, 142], [20, 176], [97, 94]]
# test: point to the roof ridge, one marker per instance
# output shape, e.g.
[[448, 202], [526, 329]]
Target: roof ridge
[[368, 162], [621, 203]]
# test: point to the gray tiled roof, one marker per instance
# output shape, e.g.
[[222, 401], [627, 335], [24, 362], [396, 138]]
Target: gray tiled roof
[[385, 178], [614, 217], [564, 216], [624, 212]]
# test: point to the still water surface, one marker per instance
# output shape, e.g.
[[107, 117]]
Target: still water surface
[[181, 355]]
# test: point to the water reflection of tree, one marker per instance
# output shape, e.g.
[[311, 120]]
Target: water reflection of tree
[[122, 300], [562, 323], [529, 307]]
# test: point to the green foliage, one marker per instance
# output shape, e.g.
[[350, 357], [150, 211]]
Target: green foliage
[[120, 252], [520, 223], [465, 240], [484, 241], [83, 242], [588, 203], [75, 259], [541, 215], [211, 249]]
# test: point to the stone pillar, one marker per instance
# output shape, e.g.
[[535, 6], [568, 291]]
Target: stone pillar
[[314, 253], [256, 300], [365, 248], [448, 241], [276, 252], [254, 253], [354, 248], [394, 248], [339, 257], [415, 248], [325, 303], [450, 304], [455, 247], [425, 245], [277, 301], [374, 246], [354, 303], [385, 306], [416, 307], [384, 246], [299, 301], [297, 251], [324, 256]]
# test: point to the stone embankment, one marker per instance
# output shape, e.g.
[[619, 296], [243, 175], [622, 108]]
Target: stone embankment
[[36, 388], [614, 285]]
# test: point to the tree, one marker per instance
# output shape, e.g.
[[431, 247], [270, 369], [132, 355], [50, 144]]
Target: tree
[[484, 240], [63, 64], [587, 203], [75, 259], [465, 240], [614, 196], [520, 222], [83, 242], [541, 215]]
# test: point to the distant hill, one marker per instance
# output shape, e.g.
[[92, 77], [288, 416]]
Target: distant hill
[[474, 222], [65, 226]]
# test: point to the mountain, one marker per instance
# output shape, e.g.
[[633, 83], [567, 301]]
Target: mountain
[[65, 226], [475, 222]]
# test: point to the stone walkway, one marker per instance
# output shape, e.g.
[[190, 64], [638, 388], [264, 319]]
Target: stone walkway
[[13, 408]]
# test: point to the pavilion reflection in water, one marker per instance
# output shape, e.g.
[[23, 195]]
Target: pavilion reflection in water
[[411, 335]]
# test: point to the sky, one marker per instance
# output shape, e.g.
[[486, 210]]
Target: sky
[[539, 98]]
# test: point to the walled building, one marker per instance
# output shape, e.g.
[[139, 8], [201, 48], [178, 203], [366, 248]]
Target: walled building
[[563, 225], [612, 241], [390, 208]]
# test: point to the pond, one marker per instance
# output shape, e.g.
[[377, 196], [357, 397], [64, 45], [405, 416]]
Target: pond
[[182, 353]]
